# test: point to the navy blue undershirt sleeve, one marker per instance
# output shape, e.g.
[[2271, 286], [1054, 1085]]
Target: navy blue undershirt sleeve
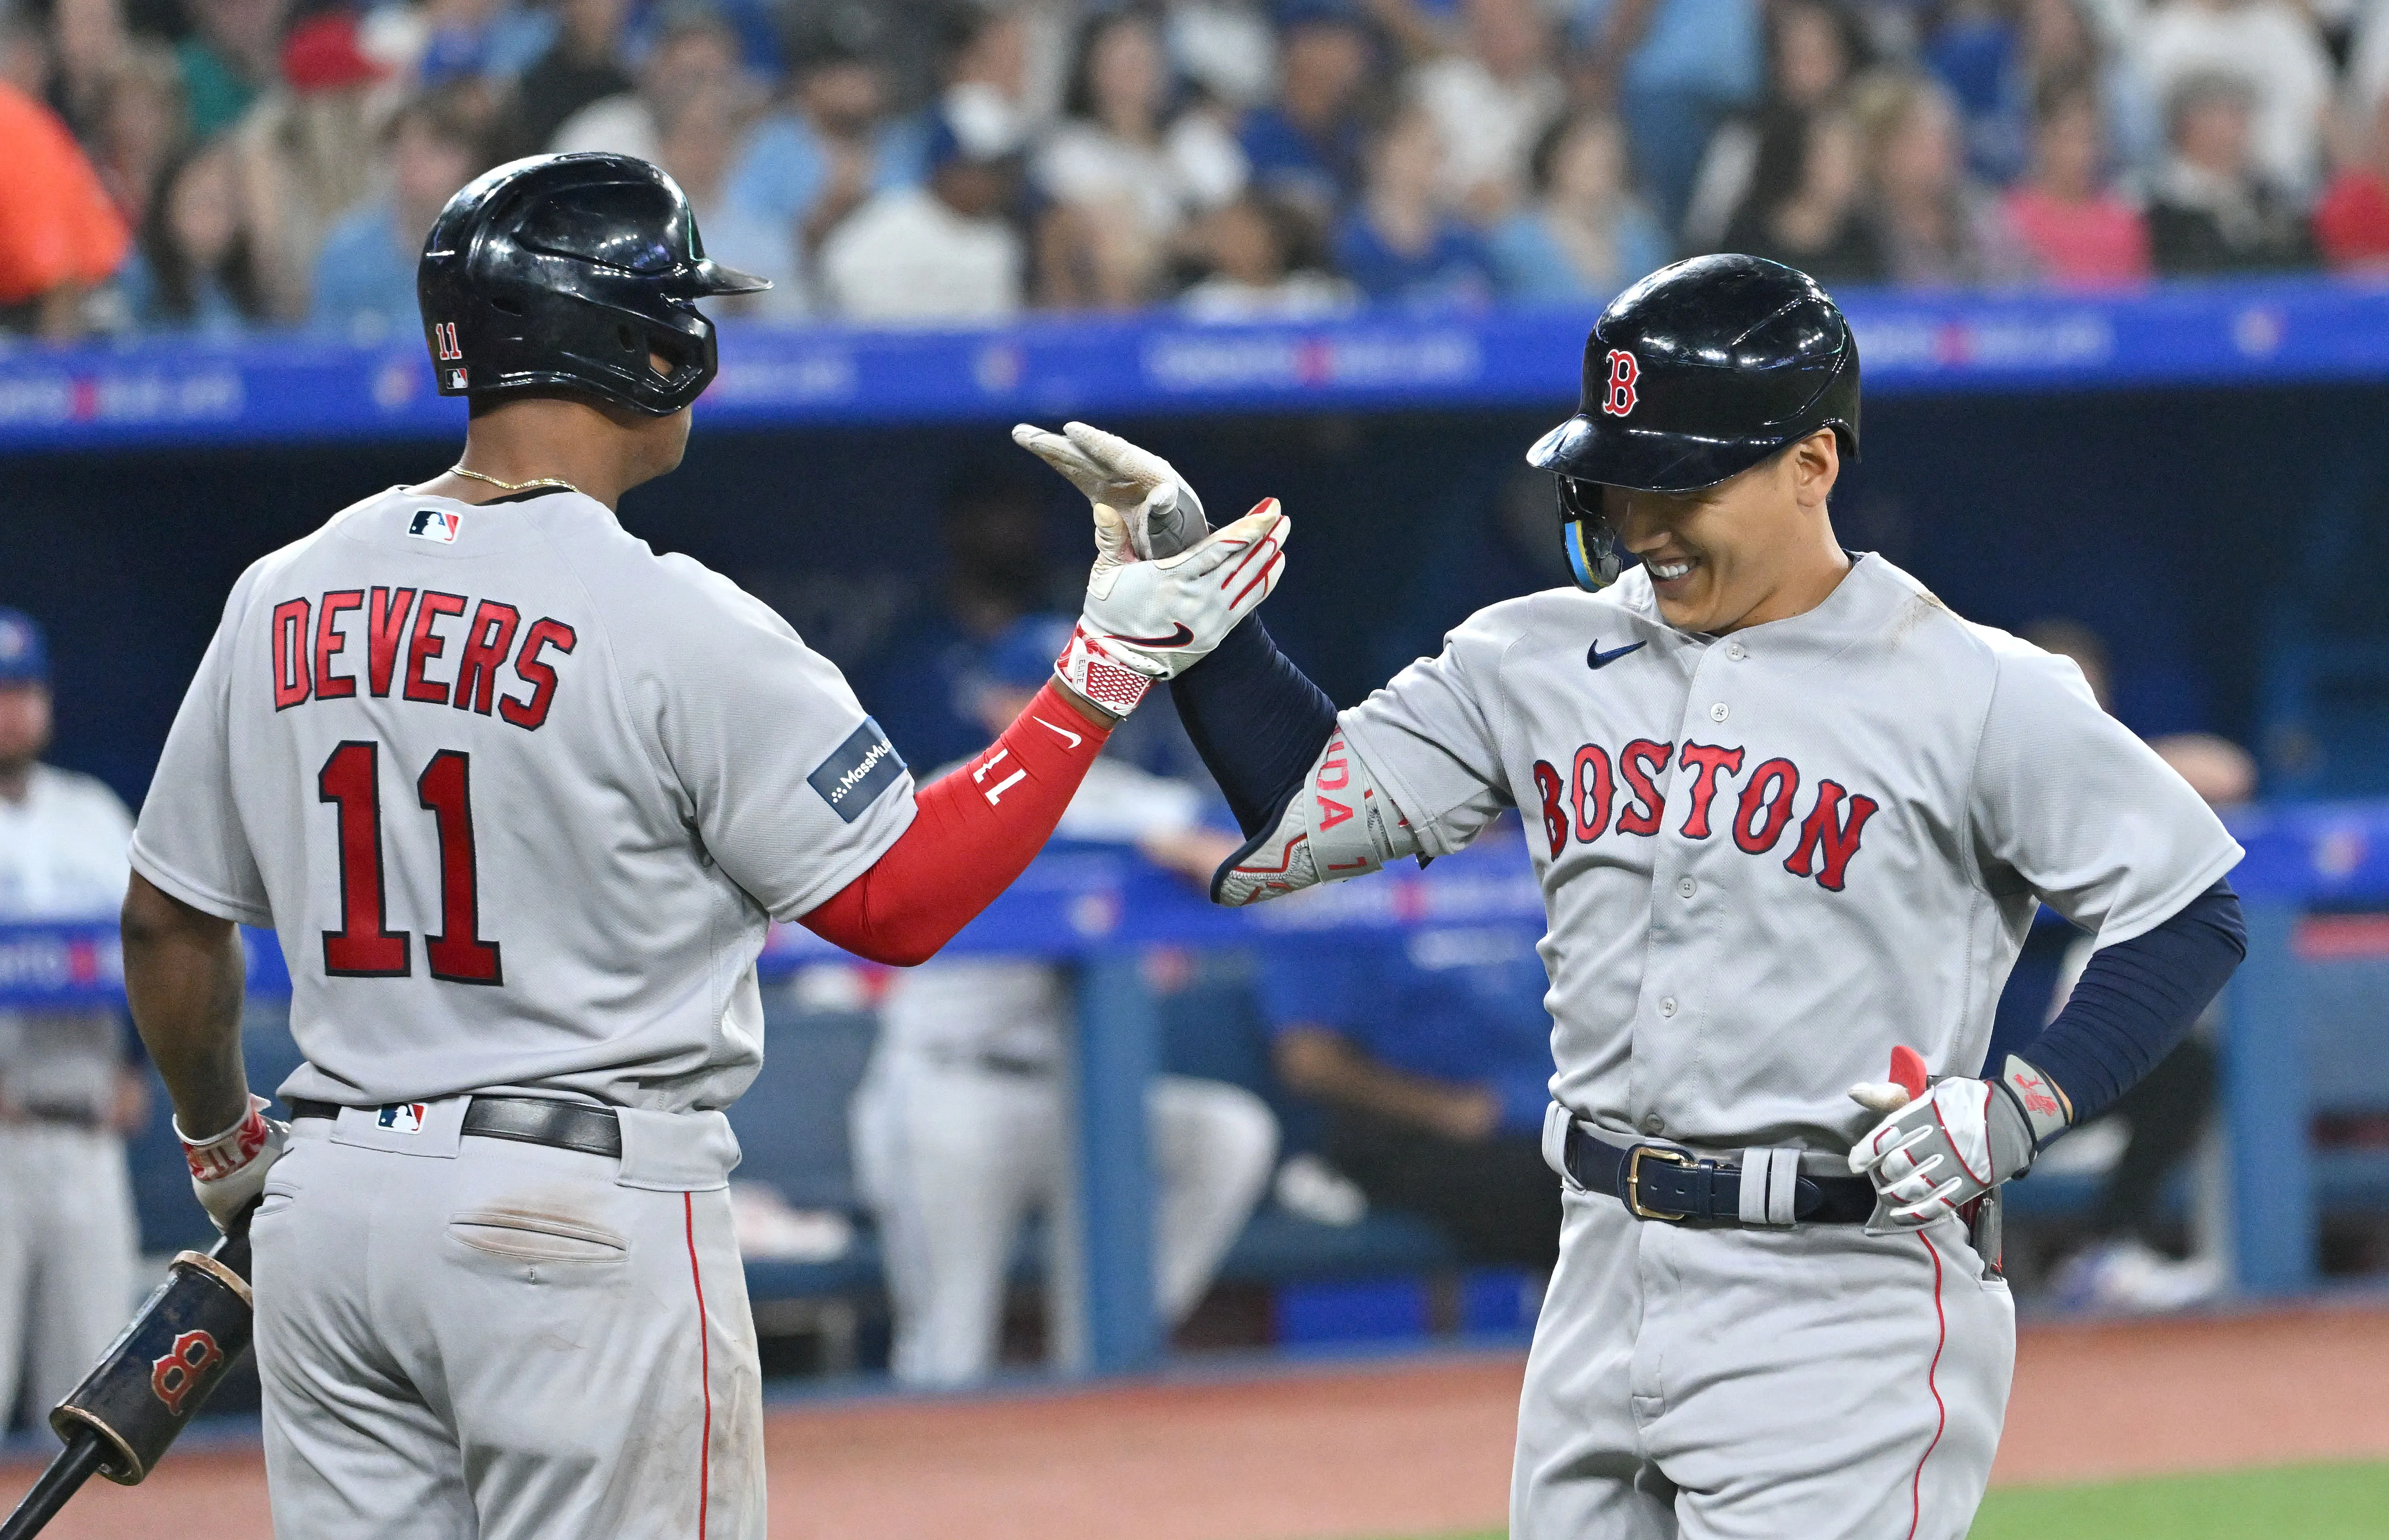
[[1257, 721], [2137, 999]]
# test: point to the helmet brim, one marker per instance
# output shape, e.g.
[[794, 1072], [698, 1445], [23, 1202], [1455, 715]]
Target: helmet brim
[[1612, 454], [712, 278]]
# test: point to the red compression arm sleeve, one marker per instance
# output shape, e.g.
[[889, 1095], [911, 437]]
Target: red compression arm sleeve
[[978, 829]]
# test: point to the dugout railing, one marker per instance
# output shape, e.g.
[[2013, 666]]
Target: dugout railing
[[2306, 1025], [313, 388]]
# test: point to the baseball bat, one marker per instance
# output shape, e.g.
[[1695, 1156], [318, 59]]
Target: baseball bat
[[144, 1389]]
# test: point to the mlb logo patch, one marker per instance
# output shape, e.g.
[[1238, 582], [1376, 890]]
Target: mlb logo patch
[[436, 524], [403, 1117], [456, 379]]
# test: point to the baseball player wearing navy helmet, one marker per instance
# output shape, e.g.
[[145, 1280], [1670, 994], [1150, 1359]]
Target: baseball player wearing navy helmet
[[520, 798], [1692, 381], [1792, 819]]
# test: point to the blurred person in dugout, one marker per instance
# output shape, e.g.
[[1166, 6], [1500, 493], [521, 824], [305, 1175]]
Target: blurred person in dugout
[[2157, 1124], [921, 674], [68, 1245], [960, 1127], [1432, 1055]]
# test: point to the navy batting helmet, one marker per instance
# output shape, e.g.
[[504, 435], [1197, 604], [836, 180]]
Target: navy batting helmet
[[1696, 374], [565, 272]]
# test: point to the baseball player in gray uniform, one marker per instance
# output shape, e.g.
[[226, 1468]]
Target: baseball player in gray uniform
[[69, 1241], [1792, 818], [962, 1125], [519, 798]]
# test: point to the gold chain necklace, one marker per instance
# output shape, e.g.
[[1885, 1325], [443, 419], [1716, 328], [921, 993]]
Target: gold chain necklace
[[516, 486]]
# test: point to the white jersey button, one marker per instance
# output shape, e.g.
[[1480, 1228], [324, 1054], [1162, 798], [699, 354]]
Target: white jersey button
[[1686, 887], [1668, 1006], [1736, 651], [1653, 1123], [1717, 712]]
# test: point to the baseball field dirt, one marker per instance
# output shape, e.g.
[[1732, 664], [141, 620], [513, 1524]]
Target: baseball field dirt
[[1419, 1446]]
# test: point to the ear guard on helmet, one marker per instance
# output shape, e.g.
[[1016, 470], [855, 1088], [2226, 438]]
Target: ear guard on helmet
[[1593, 553]]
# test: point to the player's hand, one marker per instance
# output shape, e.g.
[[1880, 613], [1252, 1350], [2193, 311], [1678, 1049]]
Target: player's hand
[[1153, 621], [228, 1169], [1947, 1143], [1155, 513], [1466, 1115]]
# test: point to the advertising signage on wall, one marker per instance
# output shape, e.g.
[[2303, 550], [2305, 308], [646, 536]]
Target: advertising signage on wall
[[297, 388]]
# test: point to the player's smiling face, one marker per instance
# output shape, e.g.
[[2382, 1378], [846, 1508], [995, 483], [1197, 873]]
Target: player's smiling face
[[1754, 548]]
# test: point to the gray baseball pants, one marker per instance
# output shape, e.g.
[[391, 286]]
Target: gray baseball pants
[[69, 1259], [472, 1339], [953, 1157], [1725, 1384]]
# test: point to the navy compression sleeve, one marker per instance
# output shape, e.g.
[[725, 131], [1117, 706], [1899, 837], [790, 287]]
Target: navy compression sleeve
[[2137, 999], [1257, 721]]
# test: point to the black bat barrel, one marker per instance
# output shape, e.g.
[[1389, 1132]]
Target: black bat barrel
[[161, 1368]]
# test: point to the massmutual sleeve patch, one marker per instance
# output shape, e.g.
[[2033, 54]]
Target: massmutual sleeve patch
[[858, 771]]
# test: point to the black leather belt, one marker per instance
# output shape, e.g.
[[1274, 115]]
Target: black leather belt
[[526, 1119], [1659, 1181]]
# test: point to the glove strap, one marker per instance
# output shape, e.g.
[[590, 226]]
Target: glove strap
[[2026, 1111], [2043, 1104], [218, 1156], [1099, 675]]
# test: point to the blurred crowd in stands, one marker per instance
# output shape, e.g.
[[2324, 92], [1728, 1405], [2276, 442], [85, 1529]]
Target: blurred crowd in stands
[[212, 166]]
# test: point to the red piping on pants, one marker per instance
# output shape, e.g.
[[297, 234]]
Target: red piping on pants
[[705, 1367], [1941, 1320]]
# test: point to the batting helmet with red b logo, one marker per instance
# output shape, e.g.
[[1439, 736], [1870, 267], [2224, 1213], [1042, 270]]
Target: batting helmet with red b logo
[[1694, 375]]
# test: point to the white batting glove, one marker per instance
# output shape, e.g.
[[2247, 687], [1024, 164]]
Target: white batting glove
[[1153, 621], [1157, 512], [228, 1169], [1942, 1149]]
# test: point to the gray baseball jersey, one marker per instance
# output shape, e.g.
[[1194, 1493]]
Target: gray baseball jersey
[[1771, 856], [520, 797], [61, 858]]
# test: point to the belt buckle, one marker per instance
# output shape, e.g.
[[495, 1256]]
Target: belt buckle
[[1632, 1195]]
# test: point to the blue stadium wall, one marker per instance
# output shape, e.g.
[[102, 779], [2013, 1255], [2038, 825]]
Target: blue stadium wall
[[2207, 529]]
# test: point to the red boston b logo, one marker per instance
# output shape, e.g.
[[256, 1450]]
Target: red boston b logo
[[1623, 372], [182, 1369]]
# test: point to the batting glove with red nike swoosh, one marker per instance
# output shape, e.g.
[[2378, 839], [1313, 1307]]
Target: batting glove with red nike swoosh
[[1153, 621], [1950, 1141]]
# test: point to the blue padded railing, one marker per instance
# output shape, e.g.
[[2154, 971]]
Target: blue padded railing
[[1101, 908], [299, 387], [1096, 906]]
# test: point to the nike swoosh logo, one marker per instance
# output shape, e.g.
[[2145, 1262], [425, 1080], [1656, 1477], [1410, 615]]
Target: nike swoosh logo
[[1179, 638], [1595, 658], [1075, 739]]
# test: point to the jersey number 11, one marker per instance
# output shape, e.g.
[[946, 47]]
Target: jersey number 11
[[364, 946]]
